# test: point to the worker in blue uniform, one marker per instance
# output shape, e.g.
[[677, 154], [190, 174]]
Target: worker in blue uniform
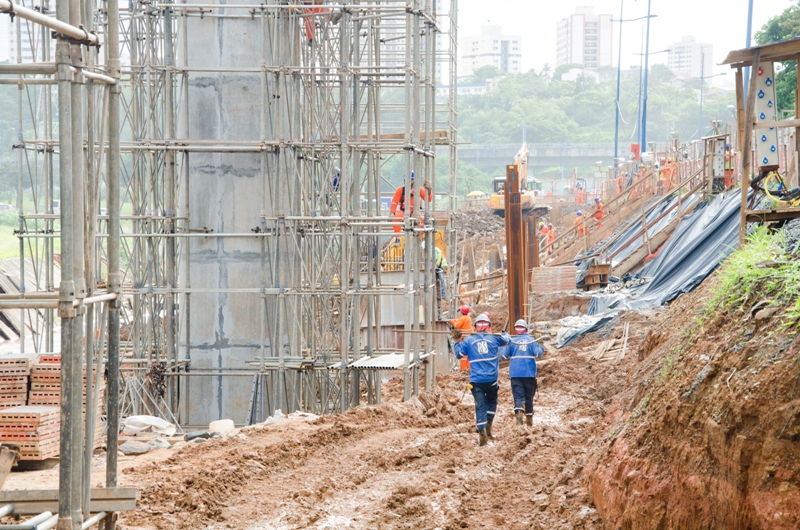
[[482, 350], [523, 352]]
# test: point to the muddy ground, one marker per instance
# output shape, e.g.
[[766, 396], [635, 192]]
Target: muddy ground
[[395, 466]]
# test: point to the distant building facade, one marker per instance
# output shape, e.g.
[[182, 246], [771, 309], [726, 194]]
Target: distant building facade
[[584, 38], [491, 48], [689, 58]]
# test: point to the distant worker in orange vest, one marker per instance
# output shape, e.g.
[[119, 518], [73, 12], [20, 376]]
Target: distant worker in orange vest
[[398, 202], [580, 195], [551, 236], [464, 325], [544, 232], [598, 212], [578, 223], [728, 166]]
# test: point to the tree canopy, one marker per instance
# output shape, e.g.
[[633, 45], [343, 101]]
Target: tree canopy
[[778, 28]]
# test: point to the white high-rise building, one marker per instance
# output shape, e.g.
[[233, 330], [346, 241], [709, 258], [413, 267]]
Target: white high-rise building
[[689, 58], [29, 42], [584, 38], [491, 48]]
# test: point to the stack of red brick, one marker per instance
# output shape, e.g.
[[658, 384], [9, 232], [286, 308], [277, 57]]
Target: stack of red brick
[[14, 373], [34, 423], [554, 279]]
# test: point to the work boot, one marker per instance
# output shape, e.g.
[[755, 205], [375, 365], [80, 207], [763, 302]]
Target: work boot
[[529, 420], [489, 421], [518, 414], [484, 439]]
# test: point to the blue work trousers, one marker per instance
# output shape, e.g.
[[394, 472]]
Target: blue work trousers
[[485, 395], [440, 275], [523, 389]]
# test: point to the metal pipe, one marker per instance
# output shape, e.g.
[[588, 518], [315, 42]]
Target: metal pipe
[[66, 287], [48, 68], [30, 524], [6, 509], [93, 520], [48, 524], [114, 279], [57, 24]]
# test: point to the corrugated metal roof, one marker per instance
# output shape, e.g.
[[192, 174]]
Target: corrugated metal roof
[[389, 361]]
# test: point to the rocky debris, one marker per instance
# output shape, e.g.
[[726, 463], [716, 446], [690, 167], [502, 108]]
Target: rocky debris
[[192, 435], [478, 223]]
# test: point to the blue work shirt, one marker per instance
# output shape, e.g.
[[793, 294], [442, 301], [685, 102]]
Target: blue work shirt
[[523, 352], [482, 350]]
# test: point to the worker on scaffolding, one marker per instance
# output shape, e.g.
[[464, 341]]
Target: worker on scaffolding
[[523, 352], [482, 350], [579, 224], [598, 211], [441, 265], [398, 206], [463, 324]]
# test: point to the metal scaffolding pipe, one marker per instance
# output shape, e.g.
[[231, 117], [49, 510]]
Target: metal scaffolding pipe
[[56, 24], [28, 68]]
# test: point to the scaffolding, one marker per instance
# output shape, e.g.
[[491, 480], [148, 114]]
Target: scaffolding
[[199, 195]]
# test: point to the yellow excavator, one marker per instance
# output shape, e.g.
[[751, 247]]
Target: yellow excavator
[[527, 190]]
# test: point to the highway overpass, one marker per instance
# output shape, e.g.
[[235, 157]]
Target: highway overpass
[[490, 157]]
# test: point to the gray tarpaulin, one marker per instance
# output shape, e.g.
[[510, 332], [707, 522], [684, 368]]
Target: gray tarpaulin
[[697, 247]]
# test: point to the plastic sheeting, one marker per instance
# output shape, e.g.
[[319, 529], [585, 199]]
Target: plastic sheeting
[[699, 244]]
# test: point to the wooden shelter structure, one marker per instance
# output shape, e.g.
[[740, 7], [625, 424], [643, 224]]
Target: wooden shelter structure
[[759, 114]]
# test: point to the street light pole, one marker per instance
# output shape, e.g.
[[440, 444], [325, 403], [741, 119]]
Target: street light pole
[[616, 102], [747, 45], [702, 82], [643, 145]]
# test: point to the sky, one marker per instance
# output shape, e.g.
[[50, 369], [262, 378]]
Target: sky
[[722, 23]]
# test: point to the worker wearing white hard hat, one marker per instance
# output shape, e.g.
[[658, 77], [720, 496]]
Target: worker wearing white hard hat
[[523, 352], [482, 350]]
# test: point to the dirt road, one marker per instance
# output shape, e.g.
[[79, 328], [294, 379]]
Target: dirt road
[[400, 465]]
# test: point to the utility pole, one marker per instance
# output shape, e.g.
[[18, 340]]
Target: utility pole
[[643, 145]]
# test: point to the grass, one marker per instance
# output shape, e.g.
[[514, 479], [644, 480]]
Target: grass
[[741, 283]]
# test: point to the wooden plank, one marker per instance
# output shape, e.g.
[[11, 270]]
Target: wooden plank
[[779, 51], [747, 159], [781, 124], [768, 216], [32, 502]]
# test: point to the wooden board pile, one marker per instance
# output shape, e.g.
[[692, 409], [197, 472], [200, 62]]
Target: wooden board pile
[[14, 373], [609, 351]]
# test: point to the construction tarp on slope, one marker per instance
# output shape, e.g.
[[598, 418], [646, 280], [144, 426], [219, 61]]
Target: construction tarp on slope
[[628, 241], [699, 244]]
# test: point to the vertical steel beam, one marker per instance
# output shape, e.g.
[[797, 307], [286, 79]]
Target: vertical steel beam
[[515, 253]]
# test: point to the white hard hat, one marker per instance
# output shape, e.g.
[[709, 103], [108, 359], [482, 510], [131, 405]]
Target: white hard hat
[[482, 318], [521, 324]]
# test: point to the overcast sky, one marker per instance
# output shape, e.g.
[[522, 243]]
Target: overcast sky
[[722, 23]]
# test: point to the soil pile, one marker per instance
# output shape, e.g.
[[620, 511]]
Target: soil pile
[[707, 433]]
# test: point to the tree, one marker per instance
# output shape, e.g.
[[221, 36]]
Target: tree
[[486, 72], [778, 28]]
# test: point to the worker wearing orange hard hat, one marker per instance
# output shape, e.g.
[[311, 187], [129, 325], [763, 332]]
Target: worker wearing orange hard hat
[[464, 324]]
